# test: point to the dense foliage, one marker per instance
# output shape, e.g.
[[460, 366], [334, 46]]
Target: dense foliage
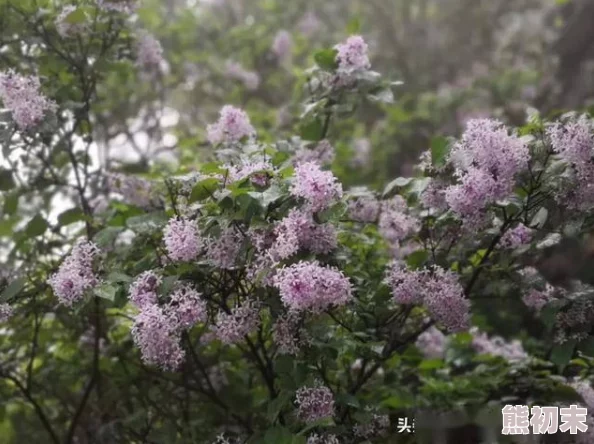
[[188, 252]]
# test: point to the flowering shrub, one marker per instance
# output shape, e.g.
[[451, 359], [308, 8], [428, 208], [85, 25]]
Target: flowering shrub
[[254, 298]]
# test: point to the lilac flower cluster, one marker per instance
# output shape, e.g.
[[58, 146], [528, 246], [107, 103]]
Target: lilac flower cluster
[[364, 209], [323, 154], [282, 45], [486, 159], [319, 188], [314, 403], [257, 170], [394, 224], [352, 55], [6, 312], [299, 231], [133, 189], [182, 239], [497, 346], [231, 328], [75, 276], [157, 329], [66, 28], [222, 251], [21, 95], [288, 335], [537, 299], [143, 290], [158, 338], [379, 425], [149, 52], [310, 286], [573, 141], [437, 289], [432, 343], [314, 438], [516, 237], [433, 196], [124, 6], [232, 126], [250, 79]]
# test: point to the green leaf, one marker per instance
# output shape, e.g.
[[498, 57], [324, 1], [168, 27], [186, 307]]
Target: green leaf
[[399, 182], [326, 59], [36, 226], [417, 258], [561, 354], [384, 96], [353, 26], [13, 289], [312, 130], [147, 223], [204, 189], [117, 277], [440, 148], [70, 216], [540, 218], [11, 203], [107, 236], [587, 346], [76, 17], [6, 180], [106, 291]]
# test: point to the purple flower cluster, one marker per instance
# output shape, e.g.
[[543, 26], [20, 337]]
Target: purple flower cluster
[[149, 52], [75, 276], [64, 27], [314, 403], [21, 95], [157, 336], [157, 329], [257, 170], [232, 126], [516, 237], [437, 289], [143, 290], [231, 328], [379, 425], [288, 335], [222, 251], [394, 224], [299, 231], [323, 154], [250, 79], [537, 299], [124, 6], [573, 141], [182, 239], [433, 196], [6, 312], [432, 343], [314, 438], [352, 55], [310, 286], [133, 189], [282, 45], [486, 159], [364, 209], [319, 188], [497, 346]]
